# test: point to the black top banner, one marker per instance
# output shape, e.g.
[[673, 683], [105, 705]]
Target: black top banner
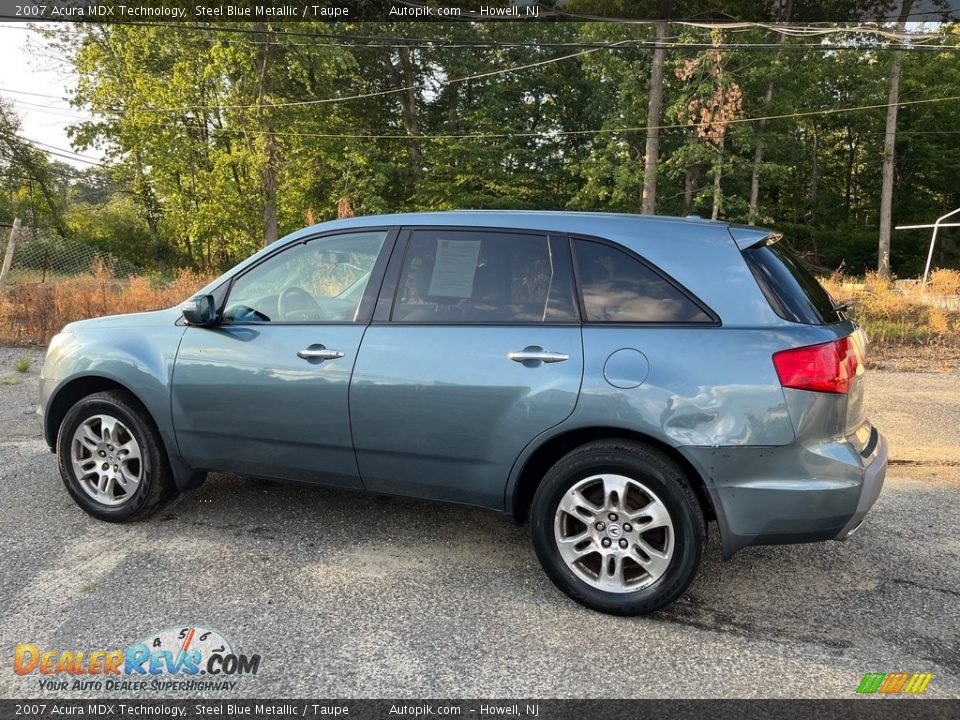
[[530, 11]]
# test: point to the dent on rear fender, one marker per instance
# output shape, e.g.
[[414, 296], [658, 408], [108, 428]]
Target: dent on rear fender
[[727, 415]]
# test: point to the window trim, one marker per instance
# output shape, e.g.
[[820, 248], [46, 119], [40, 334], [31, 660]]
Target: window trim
[[714, 318], [370, 293], [556, 244]]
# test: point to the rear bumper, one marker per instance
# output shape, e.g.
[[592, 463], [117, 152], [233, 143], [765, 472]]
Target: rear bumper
[[873, 475], [792, 493]]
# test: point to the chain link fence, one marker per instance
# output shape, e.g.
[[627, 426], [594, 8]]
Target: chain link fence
[[39, 257]]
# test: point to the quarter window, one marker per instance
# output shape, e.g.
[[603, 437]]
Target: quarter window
[[483, 277], [322, 280], [619, 288]]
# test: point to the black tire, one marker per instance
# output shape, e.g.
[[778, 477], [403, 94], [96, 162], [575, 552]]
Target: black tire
[[156, 486], [662, 476]]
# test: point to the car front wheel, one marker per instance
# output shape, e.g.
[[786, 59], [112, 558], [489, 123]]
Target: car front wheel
[[112, 459], [618, 527]]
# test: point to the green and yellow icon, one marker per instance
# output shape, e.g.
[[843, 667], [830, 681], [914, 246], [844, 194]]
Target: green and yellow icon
[[894, 683]]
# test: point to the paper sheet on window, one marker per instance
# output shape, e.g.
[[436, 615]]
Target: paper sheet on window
[[454, 269]]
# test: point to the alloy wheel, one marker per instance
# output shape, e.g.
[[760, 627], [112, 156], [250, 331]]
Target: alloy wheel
[[106, 459], [614, 533]]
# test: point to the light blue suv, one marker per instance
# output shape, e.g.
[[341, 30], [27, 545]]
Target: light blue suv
[[618, 380]]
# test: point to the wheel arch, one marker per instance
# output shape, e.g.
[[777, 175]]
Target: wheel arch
[[72, 392], [550, 450], [77, 388]]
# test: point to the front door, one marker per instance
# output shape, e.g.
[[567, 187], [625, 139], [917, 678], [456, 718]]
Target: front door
[[476, 353], [264, 392]]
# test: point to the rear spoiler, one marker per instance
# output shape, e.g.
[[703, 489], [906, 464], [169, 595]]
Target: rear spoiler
[[747, 237]]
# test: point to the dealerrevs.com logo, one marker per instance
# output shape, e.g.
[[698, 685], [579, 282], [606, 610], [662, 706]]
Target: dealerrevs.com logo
[[186, 658]]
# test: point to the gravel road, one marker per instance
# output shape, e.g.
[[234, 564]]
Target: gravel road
[[351, 595]]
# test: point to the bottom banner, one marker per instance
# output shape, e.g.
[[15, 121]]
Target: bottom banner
[[878, 709]]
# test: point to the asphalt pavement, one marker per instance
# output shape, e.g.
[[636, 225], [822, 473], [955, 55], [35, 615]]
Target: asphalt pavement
[[350, 595]]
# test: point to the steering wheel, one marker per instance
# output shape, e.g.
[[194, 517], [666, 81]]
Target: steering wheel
[[295, 303]]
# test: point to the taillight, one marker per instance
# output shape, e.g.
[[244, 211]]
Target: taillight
[[829, 367]]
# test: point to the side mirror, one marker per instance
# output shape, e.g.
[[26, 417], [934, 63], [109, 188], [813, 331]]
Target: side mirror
[[200, 311]]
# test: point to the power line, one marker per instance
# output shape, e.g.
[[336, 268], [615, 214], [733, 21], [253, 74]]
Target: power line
[[48, 149], [380, 41], [377, 93], [568, 133], [34, 94], [900, 132], [787, 29]]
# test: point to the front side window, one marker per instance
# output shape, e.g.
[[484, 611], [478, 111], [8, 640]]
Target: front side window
[[483, 277], [617, 287], [321, 280]]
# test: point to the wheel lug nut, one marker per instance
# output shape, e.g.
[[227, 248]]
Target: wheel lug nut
[[600, 526], [105, 466], [102, 453], [627, 527], [115, 468], [605, 542], [623, 543], [613, 517]]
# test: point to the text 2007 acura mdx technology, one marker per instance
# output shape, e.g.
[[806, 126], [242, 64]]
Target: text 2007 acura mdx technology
[[618, 380]]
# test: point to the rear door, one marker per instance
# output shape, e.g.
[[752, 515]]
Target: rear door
[[474, 351]]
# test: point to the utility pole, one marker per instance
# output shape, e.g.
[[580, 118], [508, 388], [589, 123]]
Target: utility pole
[[889, 147]]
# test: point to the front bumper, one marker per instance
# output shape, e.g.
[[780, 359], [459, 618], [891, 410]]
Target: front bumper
[[793, 493]]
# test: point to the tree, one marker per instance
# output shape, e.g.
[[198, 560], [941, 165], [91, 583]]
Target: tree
[[715, 99], [29, 176]]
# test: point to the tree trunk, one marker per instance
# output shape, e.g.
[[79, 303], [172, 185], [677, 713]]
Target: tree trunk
[[851, 156], [268, 172], [654, 106], [814, 175], [269, 181], [889, 148], [758, 159], [690, 180], [784, 16], [408, 107], [717, 174]]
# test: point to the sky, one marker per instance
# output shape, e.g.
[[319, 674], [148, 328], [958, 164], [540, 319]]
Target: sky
[[27, 65]]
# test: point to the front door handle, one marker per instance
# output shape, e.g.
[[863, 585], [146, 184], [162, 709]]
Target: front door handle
[[537, 356], [319, 352]]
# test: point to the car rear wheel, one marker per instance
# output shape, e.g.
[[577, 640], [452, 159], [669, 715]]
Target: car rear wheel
[[618, 527], [111, 458]]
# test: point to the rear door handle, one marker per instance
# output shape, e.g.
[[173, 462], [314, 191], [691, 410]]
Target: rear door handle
[[319, 352], [537, 355]]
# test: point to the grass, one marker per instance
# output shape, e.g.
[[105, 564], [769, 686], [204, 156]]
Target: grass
[[903, 319], [10, 380], [31, 314], [89, 586]]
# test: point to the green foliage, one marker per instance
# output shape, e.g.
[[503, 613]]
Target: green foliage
[[209, 133]]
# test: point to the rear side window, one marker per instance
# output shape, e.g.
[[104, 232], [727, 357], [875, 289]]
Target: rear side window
[[792, 290], [472, 276], [617, 287]]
